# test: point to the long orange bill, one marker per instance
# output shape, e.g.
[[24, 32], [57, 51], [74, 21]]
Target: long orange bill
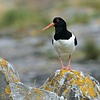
[[50, 25]]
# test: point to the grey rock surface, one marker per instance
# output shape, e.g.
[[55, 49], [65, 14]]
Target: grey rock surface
[[12, 89], [63, 85]]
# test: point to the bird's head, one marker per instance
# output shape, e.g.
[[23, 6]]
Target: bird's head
[[57, 23]]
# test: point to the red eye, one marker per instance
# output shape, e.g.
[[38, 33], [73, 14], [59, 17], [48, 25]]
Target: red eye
[[57, 20]]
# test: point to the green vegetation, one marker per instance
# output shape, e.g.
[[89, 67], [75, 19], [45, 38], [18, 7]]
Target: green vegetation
[[16, 18], [80, 18], [20, 18], [91, 50], [95, 4]]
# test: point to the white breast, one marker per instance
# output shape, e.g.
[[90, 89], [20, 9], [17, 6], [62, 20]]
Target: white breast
[[65, 46]]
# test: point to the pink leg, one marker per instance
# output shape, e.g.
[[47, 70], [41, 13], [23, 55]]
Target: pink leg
[[68, 66], [61, 62]]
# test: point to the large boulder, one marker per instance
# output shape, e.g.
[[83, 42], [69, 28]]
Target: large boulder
[[12, 89], [73, 85], [63, 85]]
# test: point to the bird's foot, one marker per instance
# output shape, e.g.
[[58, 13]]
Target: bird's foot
[[68, 67], [63, 68]]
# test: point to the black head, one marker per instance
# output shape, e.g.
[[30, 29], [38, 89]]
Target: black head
[[59, 22]]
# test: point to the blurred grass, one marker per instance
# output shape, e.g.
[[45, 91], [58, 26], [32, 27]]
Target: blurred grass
[[80, 18], [19, 18], [16, 18], [22, 16], [25, 17], [33, 18], [95, 4], [91, 50]]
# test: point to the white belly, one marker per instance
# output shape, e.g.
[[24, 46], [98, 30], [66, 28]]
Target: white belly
[[64, 46]]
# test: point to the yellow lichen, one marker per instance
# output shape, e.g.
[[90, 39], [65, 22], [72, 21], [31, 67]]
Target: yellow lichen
[[70, 76], [17, 87], [28, 97], [13, 77], [76, 72], [89, 81], [3, 63], [56, 90], [79, 82], [40, 95], [58, 77], [3, 72], [3, 95], [85, 84], [72, 81], [83, 88], [38, 98], [38, 91], [66, 90], [91, 92], [83, 99], [63, 72], [47, 87], [7, 90]]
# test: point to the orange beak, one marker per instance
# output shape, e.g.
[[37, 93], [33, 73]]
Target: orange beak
[[50, 25]]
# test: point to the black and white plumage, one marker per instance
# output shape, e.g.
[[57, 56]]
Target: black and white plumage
[[64, 41]]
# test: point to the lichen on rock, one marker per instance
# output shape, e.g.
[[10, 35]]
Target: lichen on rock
[[7, 75], [9, 71], [12, 89], [63, 85], [40, 94], [73, 85]]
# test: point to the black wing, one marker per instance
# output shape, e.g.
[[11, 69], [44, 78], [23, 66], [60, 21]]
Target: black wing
[[75, 41], [52, 42]]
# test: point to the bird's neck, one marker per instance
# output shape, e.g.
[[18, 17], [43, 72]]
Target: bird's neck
[[60, 33]]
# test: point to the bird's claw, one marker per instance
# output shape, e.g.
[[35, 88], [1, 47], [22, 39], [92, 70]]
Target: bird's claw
[[63, 68], [68, 67]]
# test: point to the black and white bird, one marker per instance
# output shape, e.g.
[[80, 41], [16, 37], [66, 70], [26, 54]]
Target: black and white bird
[[64, 41]]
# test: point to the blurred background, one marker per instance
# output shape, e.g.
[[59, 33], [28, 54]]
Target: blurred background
[[29, 49]]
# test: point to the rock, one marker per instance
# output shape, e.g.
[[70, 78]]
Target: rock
[[7, 76], [63, 85], [40, 94], [73, 85], [12, 89]]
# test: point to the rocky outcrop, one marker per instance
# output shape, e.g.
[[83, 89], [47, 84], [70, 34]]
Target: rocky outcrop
[[7, 76], [12, 89], [63, 85], [73, 85]]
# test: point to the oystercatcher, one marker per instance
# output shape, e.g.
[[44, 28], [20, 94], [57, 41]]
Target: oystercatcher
[[64, 41]]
